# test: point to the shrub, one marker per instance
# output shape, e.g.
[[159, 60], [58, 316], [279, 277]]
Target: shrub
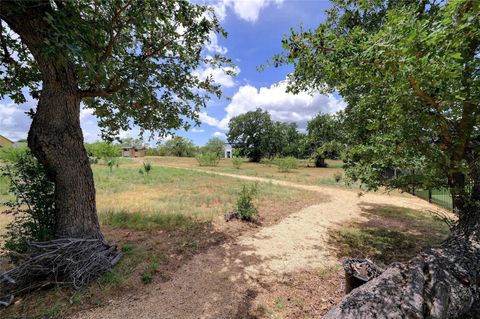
[[245, 205], [12, 154], [33, 208], [147, 167], [285, 164], [111, 162], [337, 177], [208, 159], [147, 278], [237, 162]]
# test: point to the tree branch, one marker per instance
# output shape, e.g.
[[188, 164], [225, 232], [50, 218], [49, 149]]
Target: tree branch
[[432, 102], [113, 37]]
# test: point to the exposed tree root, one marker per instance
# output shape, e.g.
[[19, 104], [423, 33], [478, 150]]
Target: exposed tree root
[[442, 282], [69, 262]]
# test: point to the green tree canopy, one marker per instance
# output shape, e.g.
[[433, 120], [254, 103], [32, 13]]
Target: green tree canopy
[[178, 146], [251, 133], [284, 140], [131, 141], [131, 62], [409, 72], [214, 145], [133, 59], [103, 150], [410, 75], [324, 132]]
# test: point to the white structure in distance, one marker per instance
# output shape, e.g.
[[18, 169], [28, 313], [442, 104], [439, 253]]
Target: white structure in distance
[[228, 149]]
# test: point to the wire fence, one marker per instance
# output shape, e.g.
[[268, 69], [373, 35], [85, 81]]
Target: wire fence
[[440, 197]]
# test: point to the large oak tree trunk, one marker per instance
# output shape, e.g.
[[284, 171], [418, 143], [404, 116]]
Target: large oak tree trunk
[[55, 136], [442, 282], [56, 139]]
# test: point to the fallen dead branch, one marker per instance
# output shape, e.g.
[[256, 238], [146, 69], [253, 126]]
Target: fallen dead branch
[[69, 262]]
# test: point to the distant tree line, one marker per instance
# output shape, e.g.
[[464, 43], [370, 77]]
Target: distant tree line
[[256, 136], [176, 146]]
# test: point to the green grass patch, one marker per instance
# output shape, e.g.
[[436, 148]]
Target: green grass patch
[[280, 303], [139, 221]]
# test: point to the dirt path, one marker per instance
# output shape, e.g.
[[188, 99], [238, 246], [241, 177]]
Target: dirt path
[[221, 282]]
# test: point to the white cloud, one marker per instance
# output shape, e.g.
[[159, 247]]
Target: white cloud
[[213, 45], [282, 106], [86, 114], [218, 75], [197, 130], [205, 118], [248, 10], [219, 135], [14, 123]]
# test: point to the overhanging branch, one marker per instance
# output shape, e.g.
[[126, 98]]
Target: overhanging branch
[[432, 102]]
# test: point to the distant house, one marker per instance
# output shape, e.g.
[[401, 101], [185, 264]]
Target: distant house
[[133, 151], [5, 142], [228, 150]]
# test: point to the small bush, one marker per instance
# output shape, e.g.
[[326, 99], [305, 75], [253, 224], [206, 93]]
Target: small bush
[[149, 273], [237, 162], [147, 278], [245, 205], [208, 159], [147, 167], [33, 208], [285, 164], [337, 177], [111, 162]]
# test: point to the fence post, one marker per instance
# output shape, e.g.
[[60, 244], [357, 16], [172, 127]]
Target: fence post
[[429, 195]]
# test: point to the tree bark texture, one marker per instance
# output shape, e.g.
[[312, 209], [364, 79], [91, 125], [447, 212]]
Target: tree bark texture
[[442, 282], [55, 136]]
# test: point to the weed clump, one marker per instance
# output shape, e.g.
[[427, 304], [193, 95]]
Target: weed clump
[[285, 164], [337, 177], [237, 162], [208, 159]]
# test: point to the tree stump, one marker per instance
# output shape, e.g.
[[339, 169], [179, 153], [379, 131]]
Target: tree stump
[[358, 272]]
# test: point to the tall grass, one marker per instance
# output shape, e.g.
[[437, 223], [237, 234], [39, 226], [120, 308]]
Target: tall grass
[[285, 164], [208, 159], [174, 191], [139, 221]]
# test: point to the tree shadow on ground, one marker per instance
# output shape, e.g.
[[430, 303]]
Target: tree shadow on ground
[[388, 233]]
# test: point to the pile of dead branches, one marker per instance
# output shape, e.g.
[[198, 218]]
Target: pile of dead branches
[[65, 262]]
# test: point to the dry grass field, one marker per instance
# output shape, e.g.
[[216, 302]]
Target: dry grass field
[[160, 221], [172, 219], [304, 174]]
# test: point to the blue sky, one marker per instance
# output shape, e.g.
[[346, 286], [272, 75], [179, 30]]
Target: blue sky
[[255, 29]]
